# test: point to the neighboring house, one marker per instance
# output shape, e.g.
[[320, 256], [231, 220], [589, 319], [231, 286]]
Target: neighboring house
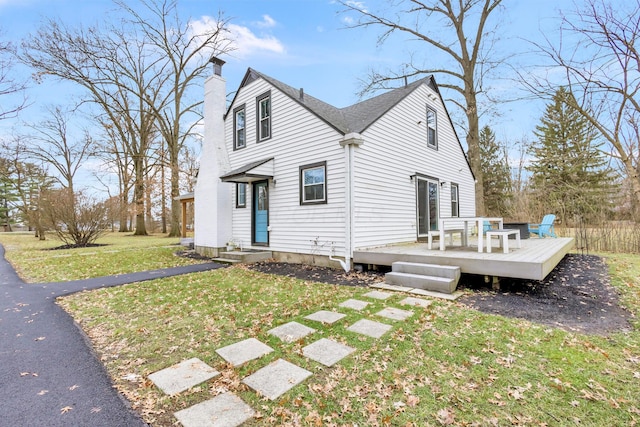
[[284, 171]]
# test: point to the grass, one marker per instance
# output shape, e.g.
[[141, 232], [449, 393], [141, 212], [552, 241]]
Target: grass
[[446, 365], [122, 253]]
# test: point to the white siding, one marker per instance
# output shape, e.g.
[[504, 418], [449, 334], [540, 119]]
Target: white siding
[[298, 138], [395, 148]]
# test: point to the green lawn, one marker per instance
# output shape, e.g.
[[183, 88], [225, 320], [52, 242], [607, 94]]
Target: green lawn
[[121, 253], [446, 365]]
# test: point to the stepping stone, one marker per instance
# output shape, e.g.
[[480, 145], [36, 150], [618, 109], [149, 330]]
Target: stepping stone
[[224, 410], [244, 351], [378, 295], [325, 316], [292, 331], [327, 352], [183, 376], [416, 302], [275, 379], [354, 304], [395, 313], [423, 292], [369, 328], [386, 286]]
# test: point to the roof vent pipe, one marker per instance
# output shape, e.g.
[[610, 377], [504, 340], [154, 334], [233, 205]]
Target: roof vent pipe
[[301, 94], [217, 65]]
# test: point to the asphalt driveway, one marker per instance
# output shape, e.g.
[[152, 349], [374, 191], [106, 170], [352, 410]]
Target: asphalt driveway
[[49, 375]]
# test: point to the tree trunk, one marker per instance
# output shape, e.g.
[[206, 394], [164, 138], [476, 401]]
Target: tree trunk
[[138, 195], [473, 144], [176, 208]]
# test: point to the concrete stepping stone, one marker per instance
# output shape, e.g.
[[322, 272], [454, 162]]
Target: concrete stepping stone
[[327, 352], [325, 316], [354, 304], [395, 313], [416, 302], [369, 328], [224, 410], [378, 295], [290, 332], [183, 376], [244, 351], [275, 379]]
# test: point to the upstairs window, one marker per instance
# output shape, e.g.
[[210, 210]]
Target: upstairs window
[[432, 134], [264, 116], [241, 195], [313, 184], [455, 200], [240, 128]]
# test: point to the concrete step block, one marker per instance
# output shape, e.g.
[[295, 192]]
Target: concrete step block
[[448, 271], [432, 283], [247, 257]]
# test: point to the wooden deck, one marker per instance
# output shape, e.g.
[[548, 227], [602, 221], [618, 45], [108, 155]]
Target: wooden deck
[[534, 260]]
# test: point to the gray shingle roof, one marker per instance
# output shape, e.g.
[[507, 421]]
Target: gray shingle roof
[[355, 118]]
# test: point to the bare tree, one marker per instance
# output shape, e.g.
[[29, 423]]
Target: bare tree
[[459, 30], [597, 54], [52, 144], [9, 85], [185, 57], [120, 74]]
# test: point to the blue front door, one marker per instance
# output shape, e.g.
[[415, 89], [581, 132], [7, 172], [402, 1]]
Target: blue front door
[[260, 213]]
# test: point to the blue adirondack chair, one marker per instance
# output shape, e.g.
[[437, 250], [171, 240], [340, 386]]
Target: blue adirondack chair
[[545, 228]]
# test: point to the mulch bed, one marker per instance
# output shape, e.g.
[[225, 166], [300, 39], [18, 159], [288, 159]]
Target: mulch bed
[[575, 296]]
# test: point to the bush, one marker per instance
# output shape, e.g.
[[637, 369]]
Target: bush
[[75, 218]]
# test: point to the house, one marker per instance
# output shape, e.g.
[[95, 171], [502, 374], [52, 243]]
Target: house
[[283, 171]]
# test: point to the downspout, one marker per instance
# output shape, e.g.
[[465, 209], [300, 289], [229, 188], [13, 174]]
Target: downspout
[[349, 142]]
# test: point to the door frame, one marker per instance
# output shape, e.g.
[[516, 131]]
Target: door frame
[[254, 208], [430, 181]]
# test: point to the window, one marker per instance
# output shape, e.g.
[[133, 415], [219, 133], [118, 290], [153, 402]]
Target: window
[[455, 201], [241, 195], [313, 184], [432, 135], [239, 126], [264, 116]]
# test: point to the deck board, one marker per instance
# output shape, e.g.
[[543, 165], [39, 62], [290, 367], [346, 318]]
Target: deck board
[[534, 260]]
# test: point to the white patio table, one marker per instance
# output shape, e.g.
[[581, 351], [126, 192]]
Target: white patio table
[[479, 220]]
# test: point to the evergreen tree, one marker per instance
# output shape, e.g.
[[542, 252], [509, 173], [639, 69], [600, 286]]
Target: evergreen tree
[[497, 175], [570, 176], [8, 196]]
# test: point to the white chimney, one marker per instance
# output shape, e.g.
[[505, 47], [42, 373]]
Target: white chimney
[[213, 202]]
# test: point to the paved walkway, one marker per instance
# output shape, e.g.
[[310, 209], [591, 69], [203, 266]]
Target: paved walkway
[[49, 375]]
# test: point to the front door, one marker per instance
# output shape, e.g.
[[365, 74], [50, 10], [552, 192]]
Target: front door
[[260, 213], [427, 194]]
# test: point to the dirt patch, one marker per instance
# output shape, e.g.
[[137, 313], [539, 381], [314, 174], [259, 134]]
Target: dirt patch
[[576, 296], [319, 274], [88, 245]]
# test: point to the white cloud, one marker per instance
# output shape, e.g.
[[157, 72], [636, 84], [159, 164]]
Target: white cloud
[[247, 43], [348, 20], [267, 22], [244, 41], [360, 5]]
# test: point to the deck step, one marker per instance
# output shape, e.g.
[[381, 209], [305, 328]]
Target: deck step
[[430, 277], [419, 281], [448, 271]]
